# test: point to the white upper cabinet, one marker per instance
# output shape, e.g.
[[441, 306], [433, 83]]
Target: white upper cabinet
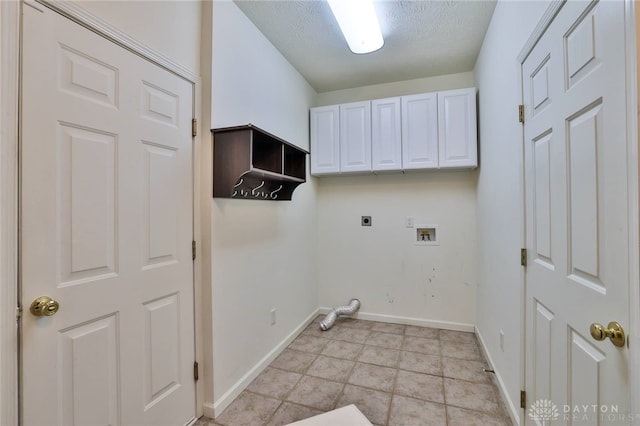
[[420, 131], [415, 132], [457, 133], [325, 140], [355, 137], [386, 140]]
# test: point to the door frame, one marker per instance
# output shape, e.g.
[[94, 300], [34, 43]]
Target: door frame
[[9, 127], [10, 55], [633, 163]]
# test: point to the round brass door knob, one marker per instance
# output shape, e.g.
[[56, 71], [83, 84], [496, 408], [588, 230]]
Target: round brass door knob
[[44, 306], [613, 331]]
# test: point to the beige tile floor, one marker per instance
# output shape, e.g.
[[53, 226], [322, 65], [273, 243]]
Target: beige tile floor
[[395, 374]]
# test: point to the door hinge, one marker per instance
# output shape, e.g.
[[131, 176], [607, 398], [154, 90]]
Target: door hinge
[[195, 371], [523, 399], [523, 257], [521, 113], [193, 250], [194, 127]]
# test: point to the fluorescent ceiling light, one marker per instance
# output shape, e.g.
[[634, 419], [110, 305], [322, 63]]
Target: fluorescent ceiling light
[[359, 24]]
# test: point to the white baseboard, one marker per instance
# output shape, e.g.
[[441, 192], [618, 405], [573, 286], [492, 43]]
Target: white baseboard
[[445, 325], [208, 410], [212, 410], [514, 410]]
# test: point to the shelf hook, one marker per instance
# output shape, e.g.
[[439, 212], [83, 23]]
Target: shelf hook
[[239, 183], [274, 195], [253, 191]]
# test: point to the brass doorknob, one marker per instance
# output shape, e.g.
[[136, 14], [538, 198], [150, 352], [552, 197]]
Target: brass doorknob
[[613, 331], [44, 306]]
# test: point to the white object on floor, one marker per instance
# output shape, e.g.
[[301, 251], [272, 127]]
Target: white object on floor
[[345, 416]]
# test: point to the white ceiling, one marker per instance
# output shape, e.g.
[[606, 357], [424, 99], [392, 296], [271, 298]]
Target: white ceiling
[[423, 38]]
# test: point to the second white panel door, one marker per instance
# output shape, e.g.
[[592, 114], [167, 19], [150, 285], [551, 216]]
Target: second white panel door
[[579, 219]]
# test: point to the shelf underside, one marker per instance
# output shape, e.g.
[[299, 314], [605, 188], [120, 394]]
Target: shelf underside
[[258, 184]]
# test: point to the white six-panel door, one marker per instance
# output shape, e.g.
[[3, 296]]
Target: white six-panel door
[[106, 230], [577, 214]]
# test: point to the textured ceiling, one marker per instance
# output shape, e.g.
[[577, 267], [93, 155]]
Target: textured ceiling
[[423, 38]]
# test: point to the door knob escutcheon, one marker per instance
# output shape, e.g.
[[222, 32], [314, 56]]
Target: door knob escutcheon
[[44, 306], [613, 331]]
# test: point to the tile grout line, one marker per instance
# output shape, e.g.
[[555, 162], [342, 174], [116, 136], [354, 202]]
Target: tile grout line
[[444, 379], [394, 387], [362, 336], [284, 397]]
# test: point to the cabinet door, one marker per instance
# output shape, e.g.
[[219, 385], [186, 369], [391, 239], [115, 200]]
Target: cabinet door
[[386, 143], [457, 134], [420, 131], [325, 140], [355, 137]]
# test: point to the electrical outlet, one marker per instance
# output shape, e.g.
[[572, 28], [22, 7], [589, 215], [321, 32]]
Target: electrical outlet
[[409, 222], [502, 340], [365, 221], [273, 316]]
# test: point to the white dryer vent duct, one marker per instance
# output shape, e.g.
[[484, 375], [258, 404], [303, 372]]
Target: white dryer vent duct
[[331, 317]]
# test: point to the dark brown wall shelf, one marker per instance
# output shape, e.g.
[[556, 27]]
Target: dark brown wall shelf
[[249, 163]]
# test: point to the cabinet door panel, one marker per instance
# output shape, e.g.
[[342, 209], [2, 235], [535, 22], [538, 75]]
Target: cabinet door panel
[[355, 137], [457, 132], [325, 140], [420, 131], [386, 143]]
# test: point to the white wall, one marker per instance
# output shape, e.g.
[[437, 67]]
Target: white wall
[[381, 265], [253, 82], [263, 253], [398, 88], [500, 215], [169, 27]]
